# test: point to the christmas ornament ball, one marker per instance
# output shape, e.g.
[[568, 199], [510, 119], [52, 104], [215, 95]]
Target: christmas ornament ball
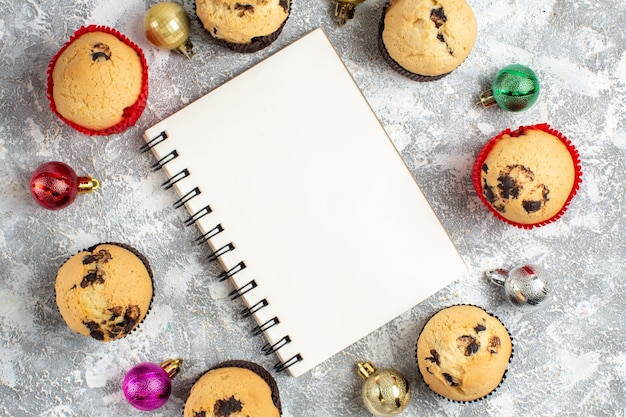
[[55, 185], [167, 26], [524, 286], [386, 392], [515, 88], [148, 386]]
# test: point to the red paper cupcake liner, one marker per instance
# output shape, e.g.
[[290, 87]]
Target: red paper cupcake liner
[[132, 113], [482, 155]]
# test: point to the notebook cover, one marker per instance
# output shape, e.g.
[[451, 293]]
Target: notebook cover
[[313, 199]]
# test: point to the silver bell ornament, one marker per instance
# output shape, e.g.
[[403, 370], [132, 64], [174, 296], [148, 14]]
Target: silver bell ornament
[[386, 392], [524, 286]]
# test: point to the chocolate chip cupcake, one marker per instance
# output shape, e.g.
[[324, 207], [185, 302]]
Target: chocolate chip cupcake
[[104, 291], [243, 26], [425, 41], [98, 81], [234, 388], [527, 177], [463, 353]]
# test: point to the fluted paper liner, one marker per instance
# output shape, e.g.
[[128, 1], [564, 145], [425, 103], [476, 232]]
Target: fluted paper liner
[[503, 375], [131, 114], [143, 260], [484, 152], [256, 43], [257, 369], [392, 62]]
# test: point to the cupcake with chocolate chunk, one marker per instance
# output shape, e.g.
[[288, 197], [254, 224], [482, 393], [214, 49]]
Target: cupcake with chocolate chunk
[[426, 41], [463, 353], [527, 177], [243, 26], [105, 291], [98, 81], [234, 388]]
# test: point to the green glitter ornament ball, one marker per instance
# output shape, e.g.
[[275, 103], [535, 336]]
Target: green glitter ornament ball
[[515, 88]]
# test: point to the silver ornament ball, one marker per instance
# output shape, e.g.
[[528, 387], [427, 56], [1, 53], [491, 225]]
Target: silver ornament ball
[[524, 286]]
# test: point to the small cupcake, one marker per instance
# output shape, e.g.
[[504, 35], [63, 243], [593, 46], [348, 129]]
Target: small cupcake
[[425, 41], [527, 177], [98, 81], [247, 26], [104, 291], [463, 353], [234, 388]]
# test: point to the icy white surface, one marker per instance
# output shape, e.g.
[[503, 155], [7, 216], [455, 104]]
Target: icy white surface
[[570, 356]]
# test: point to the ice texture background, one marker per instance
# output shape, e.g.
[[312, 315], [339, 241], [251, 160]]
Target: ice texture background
[[570, 356]]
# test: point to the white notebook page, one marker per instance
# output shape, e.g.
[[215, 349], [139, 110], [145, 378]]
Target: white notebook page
[[314, 197]]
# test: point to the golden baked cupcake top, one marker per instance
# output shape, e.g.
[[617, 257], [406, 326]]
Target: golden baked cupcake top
[[463, 353], [239, 22], [231, 391], [104, 292], [528, 178], [96, 80], [429, 38]]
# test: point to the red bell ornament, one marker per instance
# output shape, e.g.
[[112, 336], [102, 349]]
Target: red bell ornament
[[55, 185]]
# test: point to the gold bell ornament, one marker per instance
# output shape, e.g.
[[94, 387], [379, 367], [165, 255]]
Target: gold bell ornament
[[386, 392], [167, 26]]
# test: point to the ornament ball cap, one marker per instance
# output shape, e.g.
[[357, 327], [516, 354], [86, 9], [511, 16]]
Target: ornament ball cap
[[87, 185], [186, 49], [345, 9], [487, 99], [365, 369], [497, 276], [172, 367]]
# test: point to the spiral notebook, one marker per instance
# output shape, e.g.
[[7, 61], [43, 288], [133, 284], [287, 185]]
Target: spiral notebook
[[305, 202]]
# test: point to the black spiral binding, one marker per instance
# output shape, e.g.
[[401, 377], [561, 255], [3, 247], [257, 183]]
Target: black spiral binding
[[210, 234], [226, 248], [181, 175], [198, 215], [154, 142], [184, 199], [268, 348], [243, 290], [267, 325], [158, 165], [206, 237]]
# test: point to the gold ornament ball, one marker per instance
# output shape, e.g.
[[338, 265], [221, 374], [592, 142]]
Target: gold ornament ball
[[167, 26], [386, 392]]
